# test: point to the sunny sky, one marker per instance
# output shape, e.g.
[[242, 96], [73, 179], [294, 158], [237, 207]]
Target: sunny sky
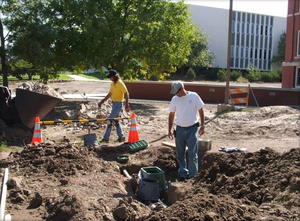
[[267, 7]]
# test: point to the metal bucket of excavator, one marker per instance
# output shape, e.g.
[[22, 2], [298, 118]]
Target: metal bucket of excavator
[[31, 105]]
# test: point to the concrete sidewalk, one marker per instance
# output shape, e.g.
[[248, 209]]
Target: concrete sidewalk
[[80, 78], [253, 84]]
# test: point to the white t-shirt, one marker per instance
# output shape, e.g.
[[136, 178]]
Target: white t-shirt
[[186, 108]]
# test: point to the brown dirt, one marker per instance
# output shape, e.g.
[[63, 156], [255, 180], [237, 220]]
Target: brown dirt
[[61, 179]]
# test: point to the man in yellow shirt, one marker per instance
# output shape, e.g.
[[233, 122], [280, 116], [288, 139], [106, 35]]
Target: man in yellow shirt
[[117, 93]]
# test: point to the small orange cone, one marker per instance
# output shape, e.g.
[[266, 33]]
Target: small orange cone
[[133, 134], [37, 133]]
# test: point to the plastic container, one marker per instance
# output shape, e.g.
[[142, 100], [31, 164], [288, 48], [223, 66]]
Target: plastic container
[[123, 159], [154, 173], [90, 139], [204, 145], [138, 145], [148, 189]]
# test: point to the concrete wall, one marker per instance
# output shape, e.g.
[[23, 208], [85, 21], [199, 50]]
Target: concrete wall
[[214, 22]]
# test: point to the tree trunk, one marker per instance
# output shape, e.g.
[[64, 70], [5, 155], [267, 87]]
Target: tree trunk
[[3, 56]]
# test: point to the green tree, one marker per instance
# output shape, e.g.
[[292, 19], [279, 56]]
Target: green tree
[[190, 75], [139, 38], [280, 57], [200, 55]]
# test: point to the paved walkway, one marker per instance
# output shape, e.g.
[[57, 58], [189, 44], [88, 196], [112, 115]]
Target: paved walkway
[[80, 78], [255, 84]]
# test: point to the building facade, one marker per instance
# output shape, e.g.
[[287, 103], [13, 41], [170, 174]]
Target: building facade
[[291, 65], [254, 37]]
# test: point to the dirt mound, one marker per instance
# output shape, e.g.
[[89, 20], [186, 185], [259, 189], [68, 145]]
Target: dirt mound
[[62, 179], [68, 182], [41, 89]]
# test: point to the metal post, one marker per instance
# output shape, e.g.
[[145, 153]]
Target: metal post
[[3, 194], [228, 53]]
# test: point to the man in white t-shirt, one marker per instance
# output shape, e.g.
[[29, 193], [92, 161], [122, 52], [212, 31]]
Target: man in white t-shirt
[[188, 107]]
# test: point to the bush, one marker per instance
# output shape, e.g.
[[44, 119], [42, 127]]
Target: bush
[[154, 77], [253, 73], [222, 74], [235, 74], [210, 73], [272, 76], [241, 79], [190, 75]]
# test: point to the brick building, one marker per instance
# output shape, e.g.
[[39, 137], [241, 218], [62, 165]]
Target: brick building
[[291, 65]]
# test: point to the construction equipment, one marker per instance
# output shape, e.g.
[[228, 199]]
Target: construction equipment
[[25, 106]]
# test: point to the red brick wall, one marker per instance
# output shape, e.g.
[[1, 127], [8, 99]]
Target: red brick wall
[[288, 78], [293, 26], [214, 94]]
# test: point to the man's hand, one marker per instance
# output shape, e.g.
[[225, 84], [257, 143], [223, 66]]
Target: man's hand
[[170, 135], [201, 131], [127, 108]]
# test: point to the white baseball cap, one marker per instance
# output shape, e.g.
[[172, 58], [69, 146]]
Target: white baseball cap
[[176, 86]]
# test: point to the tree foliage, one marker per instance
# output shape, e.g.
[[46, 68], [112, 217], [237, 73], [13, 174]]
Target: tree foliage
[[200, 55], [280, 57], [139, 38]]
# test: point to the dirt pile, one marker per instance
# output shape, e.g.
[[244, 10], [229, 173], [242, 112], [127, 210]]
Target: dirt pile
[[41, 89], [263, 185], [61, 181]]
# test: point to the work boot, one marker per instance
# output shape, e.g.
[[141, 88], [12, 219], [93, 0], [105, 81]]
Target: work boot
[[104, 141], [120, 140]]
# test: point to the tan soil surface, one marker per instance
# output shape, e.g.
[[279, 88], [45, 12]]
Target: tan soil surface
[[61, 179]]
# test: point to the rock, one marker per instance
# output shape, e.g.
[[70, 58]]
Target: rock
[[63, 181], [36, 201], [14, 182], [121, 212]]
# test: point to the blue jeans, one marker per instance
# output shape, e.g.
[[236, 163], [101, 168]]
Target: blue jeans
[[115, 113], [187, 136]]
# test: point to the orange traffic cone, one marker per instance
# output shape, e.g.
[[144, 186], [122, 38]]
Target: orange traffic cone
[[133, 134], [37, 133]]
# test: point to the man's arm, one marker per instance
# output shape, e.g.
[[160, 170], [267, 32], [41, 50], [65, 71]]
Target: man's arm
[[202, 120], [106, 98], [171, 120], [126, 95]]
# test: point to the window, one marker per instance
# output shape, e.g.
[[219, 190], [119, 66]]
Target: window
[[248, 28], [271, 30], [298, 44], [243, 27], [247, 52], [297, 83], [242, 52]]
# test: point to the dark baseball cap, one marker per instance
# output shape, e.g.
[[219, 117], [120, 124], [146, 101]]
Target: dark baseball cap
[[111, 73]]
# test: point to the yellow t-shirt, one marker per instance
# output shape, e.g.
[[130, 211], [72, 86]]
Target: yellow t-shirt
[[118, 90]]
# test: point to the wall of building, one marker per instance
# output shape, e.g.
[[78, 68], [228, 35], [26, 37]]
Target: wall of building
[[214, 22], [291, 65]]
